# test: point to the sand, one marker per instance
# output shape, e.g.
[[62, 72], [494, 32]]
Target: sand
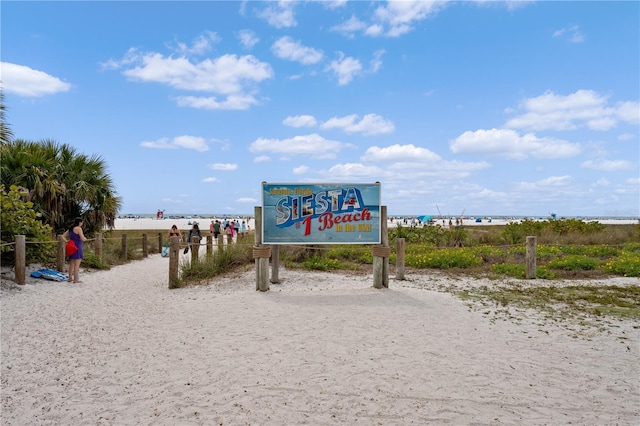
[[317, 349], [122, 224], [127, 224]]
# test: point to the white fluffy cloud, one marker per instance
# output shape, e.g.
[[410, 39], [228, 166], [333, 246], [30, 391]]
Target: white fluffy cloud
[[223, 166], [607, 165], [234, 78], [195, 143], [313, 145], [400, 16], [279, 14], [510, 144], [400, 153], [370, 124], [199, 45], [287, 48], [300, 121], [248, 38], [210, 180], [27, 82], [345, 68], [300, 170], [584, 108]]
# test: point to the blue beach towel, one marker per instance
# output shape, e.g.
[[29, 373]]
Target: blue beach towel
[[50, 274]]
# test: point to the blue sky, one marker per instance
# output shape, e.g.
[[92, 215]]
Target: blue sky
[[482, 107]]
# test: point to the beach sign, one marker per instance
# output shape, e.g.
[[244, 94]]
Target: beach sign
[[320, 213]]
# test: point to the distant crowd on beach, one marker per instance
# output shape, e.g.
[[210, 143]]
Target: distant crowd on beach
[[230, 228]]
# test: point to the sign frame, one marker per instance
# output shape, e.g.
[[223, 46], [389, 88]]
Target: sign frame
[[321, 213]]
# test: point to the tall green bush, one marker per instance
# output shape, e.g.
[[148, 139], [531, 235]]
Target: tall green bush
[[19, 218]]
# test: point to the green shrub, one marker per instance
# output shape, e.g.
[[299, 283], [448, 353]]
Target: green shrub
[[223, 260], [574, 263], [444, 259], [545, 251], [518, 270], [515, 270], [322, 264], [91, 260], [627, 264], [351, 253], [18, 217], [631, 247], [516, 233], [597, 250]]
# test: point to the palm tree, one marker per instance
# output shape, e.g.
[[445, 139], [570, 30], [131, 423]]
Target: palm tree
[[61, 183], [89, 188], [5, 131]]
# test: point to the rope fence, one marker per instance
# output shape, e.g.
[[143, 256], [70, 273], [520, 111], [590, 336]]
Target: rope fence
[[127, 248]]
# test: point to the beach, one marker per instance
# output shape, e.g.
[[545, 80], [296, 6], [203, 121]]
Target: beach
[[184, 223], [318, 348]]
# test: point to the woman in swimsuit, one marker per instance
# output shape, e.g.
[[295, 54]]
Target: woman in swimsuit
[[75, 233], [175, 232]]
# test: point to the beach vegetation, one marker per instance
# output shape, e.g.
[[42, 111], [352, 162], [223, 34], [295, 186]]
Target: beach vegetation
[[518, 270], [318, 263], [626, 264], [222, 260], [351, 254], [19, 217], [61, 183], [326, 258], [6, 134], [564, 301], [428, 257], [483, 252], [93, 261], [435, 235], [574, 262]]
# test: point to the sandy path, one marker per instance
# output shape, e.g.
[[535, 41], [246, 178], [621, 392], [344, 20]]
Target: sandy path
[[320, 348]]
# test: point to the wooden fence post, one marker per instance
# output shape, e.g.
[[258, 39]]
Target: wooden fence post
[[124, 246], [275, 263], [195, 248], [530, 258], [174, 257], [20, 259], [384, 238], [262, 263], [60, 254], [209, 245], [145, 245], [98, 246], [400, 259], [159, 242], [381, 254]]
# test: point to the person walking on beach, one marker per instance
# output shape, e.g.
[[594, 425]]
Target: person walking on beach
[[216, 229], [174, 232], [243, 228], [232, 230], [194, 231], [75, 234]]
